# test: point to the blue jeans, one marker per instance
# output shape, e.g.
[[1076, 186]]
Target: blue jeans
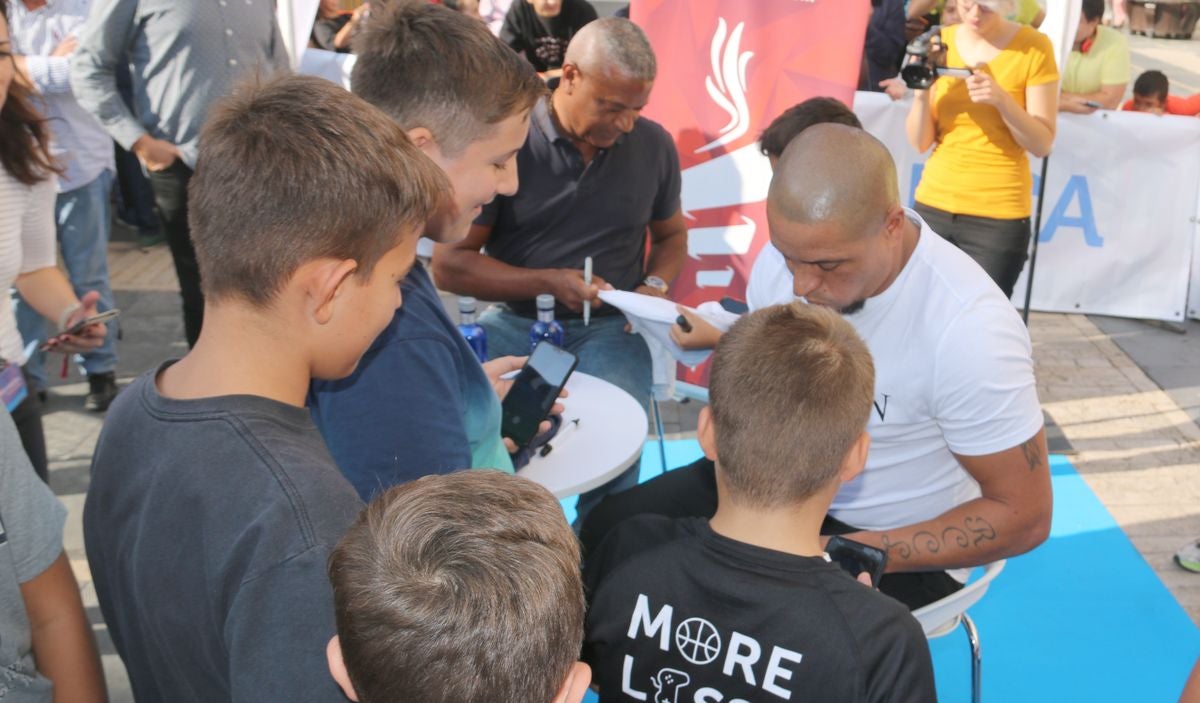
[[82, 216], [604, 349]]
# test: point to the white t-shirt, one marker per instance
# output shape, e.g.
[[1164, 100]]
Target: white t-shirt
[[27, 243], [770, 281], [953, 375]]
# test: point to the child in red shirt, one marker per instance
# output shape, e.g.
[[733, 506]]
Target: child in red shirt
[[1151, 94]]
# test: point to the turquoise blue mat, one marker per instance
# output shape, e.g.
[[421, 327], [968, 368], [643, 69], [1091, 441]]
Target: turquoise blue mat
[[1081, 618]]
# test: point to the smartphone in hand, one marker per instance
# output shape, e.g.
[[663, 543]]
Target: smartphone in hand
[[98, 318], [856, 557], [534, 392]]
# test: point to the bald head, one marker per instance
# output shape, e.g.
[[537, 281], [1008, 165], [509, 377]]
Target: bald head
[[834, 174], [613, 45]]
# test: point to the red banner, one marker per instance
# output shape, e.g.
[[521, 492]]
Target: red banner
[[726, 68]]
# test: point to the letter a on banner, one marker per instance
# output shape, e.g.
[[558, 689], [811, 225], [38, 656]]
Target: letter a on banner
[[726, 68]]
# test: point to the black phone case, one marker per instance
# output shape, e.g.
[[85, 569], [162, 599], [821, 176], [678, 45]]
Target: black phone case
[[507, 429], [856, 557]]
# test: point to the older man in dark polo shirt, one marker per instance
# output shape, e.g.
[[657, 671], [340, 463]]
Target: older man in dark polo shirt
[[595, 177]]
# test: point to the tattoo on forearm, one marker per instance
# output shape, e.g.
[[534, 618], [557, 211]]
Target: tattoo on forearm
[[927, 540], [956, 535], [983, 530], [1033, 454], [974, 532], [900, 549]]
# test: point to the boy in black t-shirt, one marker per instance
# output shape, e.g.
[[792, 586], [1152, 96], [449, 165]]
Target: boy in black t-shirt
[[214, 503], [746, 606], [540, 30]]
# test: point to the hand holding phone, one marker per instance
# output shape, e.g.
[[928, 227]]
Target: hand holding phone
[[534, 392], [856, 558], [75, 329]]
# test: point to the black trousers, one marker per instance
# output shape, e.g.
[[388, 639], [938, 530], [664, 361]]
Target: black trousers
[[28, 418], [135, 203], [691, 491], [999, 246], [170, 196]]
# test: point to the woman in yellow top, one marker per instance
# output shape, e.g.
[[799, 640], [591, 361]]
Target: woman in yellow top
[[976, 189]]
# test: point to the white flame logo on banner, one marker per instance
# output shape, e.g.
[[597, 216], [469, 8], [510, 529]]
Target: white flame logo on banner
[[730, 179], [727, 83]]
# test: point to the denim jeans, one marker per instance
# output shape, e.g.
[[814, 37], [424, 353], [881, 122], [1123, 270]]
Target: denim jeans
[[604, 349], [82, 218]]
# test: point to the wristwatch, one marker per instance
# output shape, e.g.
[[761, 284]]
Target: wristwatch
[[656, 282]]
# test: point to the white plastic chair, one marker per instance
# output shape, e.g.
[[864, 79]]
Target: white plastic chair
[[942, 617]]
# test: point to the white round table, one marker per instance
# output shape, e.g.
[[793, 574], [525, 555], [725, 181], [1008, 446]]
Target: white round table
[[609, 438]]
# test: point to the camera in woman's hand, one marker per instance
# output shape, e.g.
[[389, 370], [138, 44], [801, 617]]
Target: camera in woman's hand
[[925, 60]]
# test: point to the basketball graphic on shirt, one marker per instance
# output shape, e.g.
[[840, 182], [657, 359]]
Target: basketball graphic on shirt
[[698, 641]]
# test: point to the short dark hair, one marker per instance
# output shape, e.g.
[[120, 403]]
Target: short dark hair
[[790, 392], [24, 136], [800, 117], [428, 66], [1152, 84], [1093, 10], [295, 169], [459, 588]]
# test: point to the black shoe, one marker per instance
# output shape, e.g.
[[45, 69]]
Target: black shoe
[[102, 388], [148, 238]]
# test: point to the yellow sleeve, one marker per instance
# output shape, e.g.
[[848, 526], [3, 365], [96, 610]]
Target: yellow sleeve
[[1115, 69], [1042, 66]]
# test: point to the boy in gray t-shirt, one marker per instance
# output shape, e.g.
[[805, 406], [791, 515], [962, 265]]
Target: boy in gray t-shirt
[[214, 503], [37, 585]]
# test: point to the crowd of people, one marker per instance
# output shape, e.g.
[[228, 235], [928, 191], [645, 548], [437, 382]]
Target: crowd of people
[[285, 512], [1096, 76]]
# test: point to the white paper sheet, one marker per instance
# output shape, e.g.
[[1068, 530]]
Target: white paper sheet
[[652, 317]]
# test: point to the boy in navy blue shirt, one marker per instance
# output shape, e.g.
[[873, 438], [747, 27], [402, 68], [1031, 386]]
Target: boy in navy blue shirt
[[420, 402]]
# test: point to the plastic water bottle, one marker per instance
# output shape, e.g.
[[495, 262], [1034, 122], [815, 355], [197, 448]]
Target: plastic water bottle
[[475, 335], [546, 328]]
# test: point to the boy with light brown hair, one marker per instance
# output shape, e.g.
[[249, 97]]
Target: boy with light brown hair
[[214, 503], [747, 603], [459, 588]]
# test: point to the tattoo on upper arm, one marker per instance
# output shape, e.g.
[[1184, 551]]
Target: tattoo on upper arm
[[1033, 454], [974, 532]]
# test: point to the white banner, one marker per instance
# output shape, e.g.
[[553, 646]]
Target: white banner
[[330, 65], [296, 19], [1061, 25], [1193, 303], [1120, 219]]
